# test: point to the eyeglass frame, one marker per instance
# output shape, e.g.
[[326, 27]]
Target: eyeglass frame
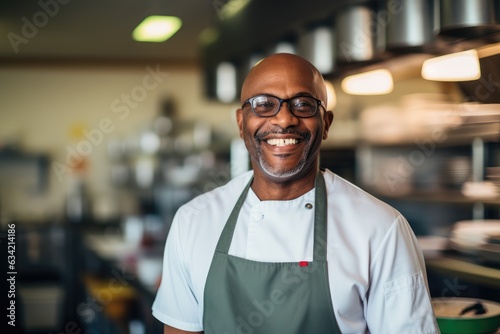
[[250, 100]]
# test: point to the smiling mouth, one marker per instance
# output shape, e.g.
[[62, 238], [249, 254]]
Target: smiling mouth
[[282, 141]]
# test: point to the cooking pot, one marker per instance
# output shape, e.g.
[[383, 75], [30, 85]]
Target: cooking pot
[[466, 315]]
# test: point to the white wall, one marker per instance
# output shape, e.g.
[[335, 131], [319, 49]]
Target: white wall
[[43, 108]]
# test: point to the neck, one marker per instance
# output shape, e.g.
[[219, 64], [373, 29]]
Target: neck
[[267, 189]]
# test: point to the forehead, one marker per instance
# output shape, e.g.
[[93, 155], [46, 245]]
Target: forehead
[[283, 77]]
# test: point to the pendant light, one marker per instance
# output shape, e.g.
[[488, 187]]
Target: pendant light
[[413, 24], [317, 46], [458, 66], [467, 18], [376, 82], [226, 81], [356, 38]]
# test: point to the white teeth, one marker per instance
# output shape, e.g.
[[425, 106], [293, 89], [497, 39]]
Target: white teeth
[[282, 142]]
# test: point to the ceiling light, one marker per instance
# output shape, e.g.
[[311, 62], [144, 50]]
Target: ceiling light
[[156, 28], [317, 46], [459, 66], [375, 82]]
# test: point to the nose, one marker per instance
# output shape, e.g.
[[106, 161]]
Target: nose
[[284, 118]]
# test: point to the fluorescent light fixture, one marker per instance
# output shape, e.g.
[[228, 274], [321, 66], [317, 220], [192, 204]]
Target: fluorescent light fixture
[[226, 82], [156, 28], [459, 66], [375, 82]]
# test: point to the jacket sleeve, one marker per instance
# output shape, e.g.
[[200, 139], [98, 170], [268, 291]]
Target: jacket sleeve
[[398, 299], [175, 303]]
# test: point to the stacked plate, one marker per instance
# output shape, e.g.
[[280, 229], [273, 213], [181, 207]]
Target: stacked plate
[[483, 189], [490, 188], [432, 246], [469, 236], [456, 170], [493, 176]]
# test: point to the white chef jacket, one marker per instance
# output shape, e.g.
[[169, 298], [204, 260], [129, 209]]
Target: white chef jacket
[[376, 269]]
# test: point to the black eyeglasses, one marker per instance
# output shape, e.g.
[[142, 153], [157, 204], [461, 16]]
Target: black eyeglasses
[[269, 106]]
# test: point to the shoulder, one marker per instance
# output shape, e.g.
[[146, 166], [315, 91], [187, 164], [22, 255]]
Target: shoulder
[[352, 196], [362, 225], [358, 216]]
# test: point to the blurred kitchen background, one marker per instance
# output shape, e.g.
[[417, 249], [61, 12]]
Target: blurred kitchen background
[[103, 137]]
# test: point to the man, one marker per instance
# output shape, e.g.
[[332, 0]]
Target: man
[[287, 248]]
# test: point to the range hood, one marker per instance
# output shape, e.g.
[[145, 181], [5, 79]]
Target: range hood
[[371, 31], [469, 19]]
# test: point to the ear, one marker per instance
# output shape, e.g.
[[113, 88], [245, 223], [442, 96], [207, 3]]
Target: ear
[[328, 119], [239, 120]]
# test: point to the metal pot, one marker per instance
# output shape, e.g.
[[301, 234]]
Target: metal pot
[[466, 315]]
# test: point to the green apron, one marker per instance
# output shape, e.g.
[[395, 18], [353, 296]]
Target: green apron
[[243, 296]]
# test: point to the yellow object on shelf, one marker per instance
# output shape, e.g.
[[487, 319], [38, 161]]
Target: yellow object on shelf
[[111, 294]]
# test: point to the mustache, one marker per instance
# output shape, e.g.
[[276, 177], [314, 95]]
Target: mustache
[[304, 135]]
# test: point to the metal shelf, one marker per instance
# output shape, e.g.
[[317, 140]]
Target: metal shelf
[[473, 272], [441, 196]]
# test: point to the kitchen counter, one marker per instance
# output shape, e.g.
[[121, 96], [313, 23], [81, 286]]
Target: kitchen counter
[[115, 251]]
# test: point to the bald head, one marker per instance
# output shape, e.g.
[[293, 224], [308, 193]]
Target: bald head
[[281, 75]]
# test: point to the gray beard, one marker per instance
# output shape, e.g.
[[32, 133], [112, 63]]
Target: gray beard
[[282, 173]]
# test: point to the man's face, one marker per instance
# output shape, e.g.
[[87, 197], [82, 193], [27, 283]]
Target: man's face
[[283, 147]]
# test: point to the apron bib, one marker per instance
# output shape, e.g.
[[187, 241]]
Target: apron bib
[[244, 297]]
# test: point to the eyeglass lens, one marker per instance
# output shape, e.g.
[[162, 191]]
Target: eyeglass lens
[[267, 106]]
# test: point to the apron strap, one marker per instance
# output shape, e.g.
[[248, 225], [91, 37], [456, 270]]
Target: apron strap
[[228, 231], [320, 219]]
